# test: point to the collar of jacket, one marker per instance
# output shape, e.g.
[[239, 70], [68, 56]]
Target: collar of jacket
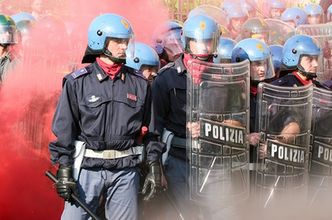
[[101, 75], [180, 67]]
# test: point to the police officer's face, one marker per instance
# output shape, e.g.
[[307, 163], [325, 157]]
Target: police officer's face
[[276, 12], [118, 47], [202, 47], [314, 19], [149, 72], [309, 63], [258, 70]]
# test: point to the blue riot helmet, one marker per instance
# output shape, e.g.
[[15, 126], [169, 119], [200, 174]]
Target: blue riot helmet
[[255, 28], [201, 34], [102, 29], [224, 50], [143, 56], [297, 47], [329, 14], [276, 55], [258, 53], [166, 40], [294, 16], [315, 13]]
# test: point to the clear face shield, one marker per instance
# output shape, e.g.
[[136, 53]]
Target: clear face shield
[[172, 44], [202, 47], [121, 47], [261, 70], [236, 23], [8, 35]]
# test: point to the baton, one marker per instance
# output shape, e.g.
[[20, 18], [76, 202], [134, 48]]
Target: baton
[[73, 196]]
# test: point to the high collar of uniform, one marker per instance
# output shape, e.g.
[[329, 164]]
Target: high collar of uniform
[[112, 70], [303, 81]]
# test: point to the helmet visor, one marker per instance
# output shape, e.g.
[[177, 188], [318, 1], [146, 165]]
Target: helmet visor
[[8, 35], [261, 70], [172, 44]]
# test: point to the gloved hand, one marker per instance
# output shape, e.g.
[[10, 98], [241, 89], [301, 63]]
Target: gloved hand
[[152, 183], [66, 184]]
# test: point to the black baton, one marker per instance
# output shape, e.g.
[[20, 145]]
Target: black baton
[[73, 196]]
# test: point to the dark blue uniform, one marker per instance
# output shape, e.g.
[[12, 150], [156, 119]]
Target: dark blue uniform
[[169, 96], [289, 80], [105, 114], [170, 99]]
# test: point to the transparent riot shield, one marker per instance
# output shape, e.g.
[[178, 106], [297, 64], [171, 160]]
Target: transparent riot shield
[[218, 101], [279, 31], [283, 119], [320, 169], [213, 11], [323, 34]]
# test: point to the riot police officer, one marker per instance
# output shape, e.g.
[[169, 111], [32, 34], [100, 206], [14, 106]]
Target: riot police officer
[[236, 16], [201, 34], [294, 16], [261, 69], [224, 50], [8, 37], [167, 41], [300, 57], [144, 60], [315, 13], [276, 8], [255, 28], [102, 110]]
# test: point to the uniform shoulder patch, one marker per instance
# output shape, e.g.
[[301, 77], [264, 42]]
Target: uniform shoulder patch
[[79, 73]]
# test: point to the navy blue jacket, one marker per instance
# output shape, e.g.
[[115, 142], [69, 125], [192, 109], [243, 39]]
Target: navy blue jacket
[[104, 113], [169, 91]]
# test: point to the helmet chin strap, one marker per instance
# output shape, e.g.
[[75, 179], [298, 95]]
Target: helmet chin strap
[[308, 75], [118, 60]]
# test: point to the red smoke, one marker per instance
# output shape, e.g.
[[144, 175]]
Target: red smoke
[[28, 97]]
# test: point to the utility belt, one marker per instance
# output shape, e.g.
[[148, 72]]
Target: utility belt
[[174, 145], [113, 154], [81, 152]]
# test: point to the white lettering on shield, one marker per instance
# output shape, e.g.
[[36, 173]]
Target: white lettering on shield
[[325, 153], [287, 153], [227, 134]]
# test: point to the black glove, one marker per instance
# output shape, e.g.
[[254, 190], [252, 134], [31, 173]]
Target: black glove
[[66, 184], [152, 183]]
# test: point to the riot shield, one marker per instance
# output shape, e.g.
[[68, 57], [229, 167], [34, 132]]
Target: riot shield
[[218, 100], [279, 31], [213, 11], [323, 34], [283, 119], [320, 169]]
